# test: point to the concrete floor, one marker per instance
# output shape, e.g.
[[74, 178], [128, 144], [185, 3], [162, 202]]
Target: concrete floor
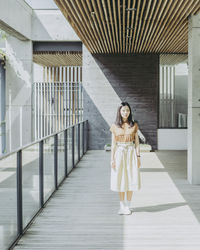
[[83, 212]]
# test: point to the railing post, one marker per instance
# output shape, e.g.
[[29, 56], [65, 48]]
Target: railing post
[[72, 146], [79, 142], [65, 152], [41, 174], [19, 193], [56, 161], [87, 136], [83, 138]]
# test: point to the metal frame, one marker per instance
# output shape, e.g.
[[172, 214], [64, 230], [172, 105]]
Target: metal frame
[[19, 193], [19, 172], [56, 161], [79, 142], [41, 174], [66, 148], [73, 165]]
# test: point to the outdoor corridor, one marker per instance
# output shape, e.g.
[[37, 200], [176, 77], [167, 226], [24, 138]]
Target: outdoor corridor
[[82, 214]]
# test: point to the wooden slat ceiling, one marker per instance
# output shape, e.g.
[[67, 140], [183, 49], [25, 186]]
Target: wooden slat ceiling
[[173, 59], [55, 58], [131, 26]]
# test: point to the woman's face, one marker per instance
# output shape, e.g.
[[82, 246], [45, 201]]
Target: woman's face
[[125, 111]]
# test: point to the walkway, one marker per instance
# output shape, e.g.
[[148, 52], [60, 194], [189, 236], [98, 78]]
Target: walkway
[[83, 212]]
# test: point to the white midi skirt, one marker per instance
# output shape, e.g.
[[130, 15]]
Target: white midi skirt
[[126, 175]]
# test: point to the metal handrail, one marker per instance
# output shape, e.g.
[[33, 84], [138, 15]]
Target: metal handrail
[[75, 146], [37, 141]]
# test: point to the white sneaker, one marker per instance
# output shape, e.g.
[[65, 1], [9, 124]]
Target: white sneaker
[[128, 204], [124, 210]]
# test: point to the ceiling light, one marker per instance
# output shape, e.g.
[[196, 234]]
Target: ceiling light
[[130, 9]]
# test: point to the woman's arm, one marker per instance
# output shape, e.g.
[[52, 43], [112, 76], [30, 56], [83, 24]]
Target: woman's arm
[[113, 148], [137, 142]]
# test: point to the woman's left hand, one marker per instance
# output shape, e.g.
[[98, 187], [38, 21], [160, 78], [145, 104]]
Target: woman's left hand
[[139, 162]]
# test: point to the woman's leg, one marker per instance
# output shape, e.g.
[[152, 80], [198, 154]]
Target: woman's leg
[[123, 208], [121, 196], [129, 195]]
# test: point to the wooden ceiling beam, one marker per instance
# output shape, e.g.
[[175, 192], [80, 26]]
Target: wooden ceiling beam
[[108, 25], [108, 49], [158, 22], [164, 19], [131, 26], [135, 28], [74, 25], [152, 25], [144, 24], [119, 24], [94, 24], [147, 26], [132, 23], [86, 25], [177, 27], [112, 25], [139, 26], [116, 26], [127, 27], [110, 44]]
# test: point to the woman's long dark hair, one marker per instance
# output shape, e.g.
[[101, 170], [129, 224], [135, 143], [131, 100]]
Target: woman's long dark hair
[[119, 120]]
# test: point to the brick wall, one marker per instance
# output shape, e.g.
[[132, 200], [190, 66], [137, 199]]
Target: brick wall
[[135, 79]]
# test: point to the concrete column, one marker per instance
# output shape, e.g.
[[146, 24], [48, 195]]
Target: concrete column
[[19, 69], [194, 100]]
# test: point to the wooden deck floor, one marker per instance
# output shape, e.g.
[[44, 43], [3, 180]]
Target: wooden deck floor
[[83, 212]]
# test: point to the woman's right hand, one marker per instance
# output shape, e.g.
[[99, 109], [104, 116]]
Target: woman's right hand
[[113, 165]]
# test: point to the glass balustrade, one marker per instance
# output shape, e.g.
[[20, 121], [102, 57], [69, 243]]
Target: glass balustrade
[[29, 176]]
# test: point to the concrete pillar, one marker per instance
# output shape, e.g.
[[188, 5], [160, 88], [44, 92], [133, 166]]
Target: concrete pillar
[[194, 100], [19, 69]]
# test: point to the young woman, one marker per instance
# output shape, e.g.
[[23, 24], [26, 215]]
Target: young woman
[[125, 157]]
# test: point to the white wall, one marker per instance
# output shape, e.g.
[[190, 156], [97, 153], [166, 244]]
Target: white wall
[[15, 18], [18, 92], [51, 25], [172, 139], [18, 19]]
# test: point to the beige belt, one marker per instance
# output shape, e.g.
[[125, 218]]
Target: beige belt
[[125, 143]]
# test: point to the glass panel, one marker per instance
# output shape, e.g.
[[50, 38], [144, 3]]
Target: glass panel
[[30, 182], [8, 201], [61, 157], [76, 144], [69, 150], [173, 96], [48, 167]]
